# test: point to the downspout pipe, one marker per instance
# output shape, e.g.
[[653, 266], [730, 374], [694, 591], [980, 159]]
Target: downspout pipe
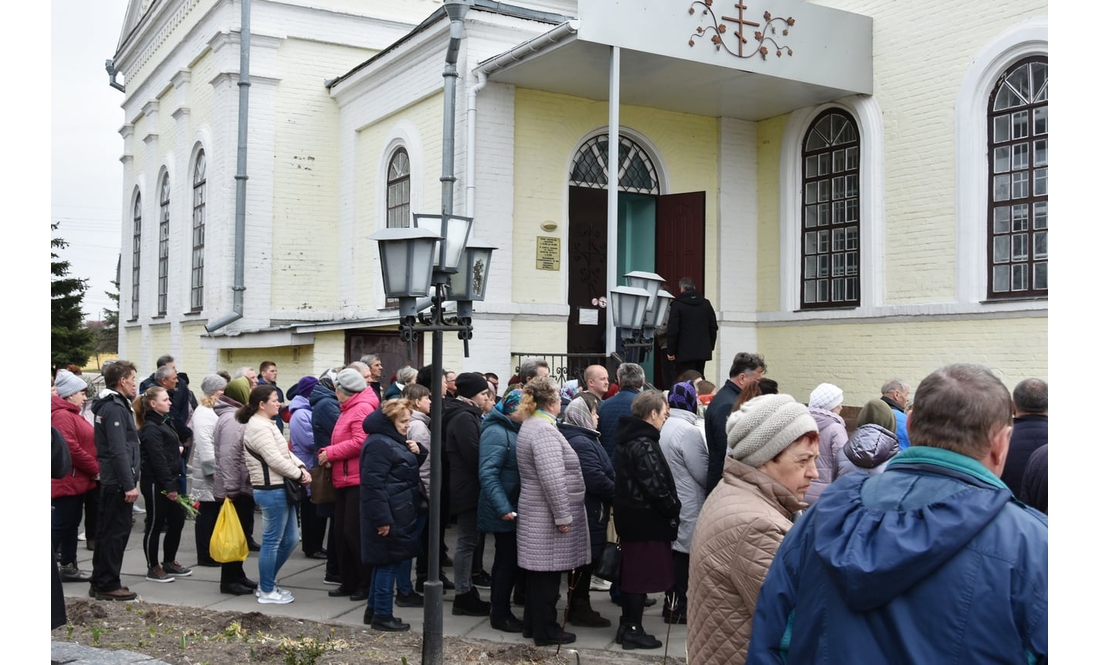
[[482, 72], [243, 84]]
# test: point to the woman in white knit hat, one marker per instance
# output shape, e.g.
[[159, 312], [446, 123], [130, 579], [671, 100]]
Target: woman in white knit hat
[[773, 445], [825, 404]]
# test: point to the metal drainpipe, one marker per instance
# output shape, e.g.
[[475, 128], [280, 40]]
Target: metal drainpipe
[[242, 174]]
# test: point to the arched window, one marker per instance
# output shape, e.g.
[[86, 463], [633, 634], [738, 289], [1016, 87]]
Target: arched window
[[198, 230], [397, 190], [636, 171], [162, 252], [830, 212], [1017, 138], [135, 275]]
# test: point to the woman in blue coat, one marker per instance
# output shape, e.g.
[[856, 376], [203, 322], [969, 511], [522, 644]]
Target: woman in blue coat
[[389, 482], [496, 507]]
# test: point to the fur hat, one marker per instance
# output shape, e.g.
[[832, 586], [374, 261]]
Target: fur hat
[[67, 383], [350, 382], [469, 384], [826, 397], [764, 426]]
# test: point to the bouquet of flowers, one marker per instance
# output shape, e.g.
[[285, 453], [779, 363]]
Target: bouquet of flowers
[[190, 506]]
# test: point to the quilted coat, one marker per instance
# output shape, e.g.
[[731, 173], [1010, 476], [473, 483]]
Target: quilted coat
[[551, 494], [497, 472], [80, 437], [203, 462], [646, 504], [869, 449], [389, 494], [831, 446], [326, 411], [738, 534], [685, 449], [230, 474], [348, 437]]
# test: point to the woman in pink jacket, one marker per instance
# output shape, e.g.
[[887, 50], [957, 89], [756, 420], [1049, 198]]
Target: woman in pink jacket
[[356, 403], [67, 494]]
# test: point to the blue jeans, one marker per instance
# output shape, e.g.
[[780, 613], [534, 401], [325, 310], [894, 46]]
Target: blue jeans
[[404, 569], [381, 589], [280, 534]]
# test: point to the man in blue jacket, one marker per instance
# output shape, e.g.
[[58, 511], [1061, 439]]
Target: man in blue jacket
[[933, 561]]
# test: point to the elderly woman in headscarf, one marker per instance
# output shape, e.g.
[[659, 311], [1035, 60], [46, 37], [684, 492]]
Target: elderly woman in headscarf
[[873, 443], [496, 507], [204, 465], [231, 476], [569, 391], [578, 426], [685, 449], [773, 444]]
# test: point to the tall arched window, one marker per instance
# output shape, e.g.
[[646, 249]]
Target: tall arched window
[[135, 274], [830, 212], [397, 190], [1017, 135], [162, 251], [636, 171], [198, 230]]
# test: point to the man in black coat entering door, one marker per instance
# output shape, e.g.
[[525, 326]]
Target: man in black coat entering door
[[692, 329]]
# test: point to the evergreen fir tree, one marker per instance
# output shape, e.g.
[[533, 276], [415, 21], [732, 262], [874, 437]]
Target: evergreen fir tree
[[71, 342], [108, 332]]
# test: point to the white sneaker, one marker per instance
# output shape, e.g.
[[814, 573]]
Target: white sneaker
[[599, 584], [81, 537], [139, 510], [274, 597]]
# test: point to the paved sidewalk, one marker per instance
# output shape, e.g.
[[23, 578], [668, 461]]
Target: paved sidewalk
[[304, 577]]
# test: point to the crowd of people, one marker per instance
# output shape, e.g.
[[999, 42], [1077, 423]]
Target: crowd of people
[[778, 531]]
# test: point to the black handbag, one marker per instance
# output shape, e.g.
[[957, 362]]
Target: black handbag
[[610, 559], [294, 492]]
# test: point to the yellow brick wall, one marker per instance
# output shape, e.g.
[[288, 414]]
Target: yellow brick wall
[[306, 203], [801, 357], [548, 127], [769, 139], [371, 142]]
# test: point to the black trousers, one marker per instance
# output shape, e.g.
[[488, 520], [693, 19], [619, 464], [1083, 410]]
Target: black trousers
[[313, 528], [204, 529], [540, 616], [57, 599], [246, 513], [505, 569], [579, 580], [162, 515], [91, 512], [65, 523], [115, 522], [234, 570], [354, 574]]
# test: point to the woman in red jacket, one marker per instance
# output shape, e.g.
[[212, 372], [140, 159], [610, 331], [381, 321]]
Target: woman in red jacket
[[68, 493]]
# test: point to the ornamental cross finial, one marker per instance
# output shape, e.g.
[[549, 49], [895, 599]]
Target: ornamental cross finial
[[762, 37]]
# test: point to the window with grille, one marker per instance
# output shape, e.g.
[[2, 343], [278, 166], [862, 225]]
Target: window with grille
[[636, 171], [162, 251], [830, 212], [1017, 132], [198, 230], [397, 191], [135, 274]]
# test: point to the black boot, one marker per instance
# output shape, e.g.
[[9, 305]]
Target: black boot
[[470, 604], [582, 615], [390, 624], [636, 638]]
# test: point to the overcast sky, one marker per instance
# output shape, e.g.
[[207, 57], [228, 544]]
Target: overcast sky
[[86, 174]]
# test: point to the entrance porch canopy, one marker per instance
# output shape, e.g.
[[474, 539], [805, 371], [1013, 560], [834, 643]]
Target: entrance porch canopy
[[702, 57]]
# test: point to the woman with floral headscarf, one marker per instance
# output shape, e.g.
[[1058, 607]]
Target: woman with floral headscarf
[[685, 450], [578, 426], [496, 507]]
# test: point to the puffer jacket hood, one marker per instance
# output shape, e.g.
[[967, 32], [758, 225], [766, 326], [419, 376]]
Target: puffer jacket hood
[[871, 445], [871, 555]]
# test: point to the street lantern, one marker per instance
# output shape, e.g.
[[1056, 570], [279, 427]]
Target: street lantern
[[453, 232], [656, 316], [406, 258], [473, 272], [628, 307]]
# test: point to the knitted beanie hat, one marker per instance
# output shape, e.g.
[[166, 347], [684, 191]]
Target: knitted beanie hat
[[682, 396], [764, 426], [305, 386], [350, 381], [826, 397], [67, 383], [212, 383], [470, 385]]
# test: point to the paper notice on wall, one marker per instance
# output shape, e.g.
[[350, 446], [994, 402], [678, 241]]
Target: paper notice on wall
[[588, 317]]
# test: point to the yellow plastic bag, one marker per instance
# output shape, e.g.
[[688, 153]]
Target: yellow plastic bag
[[228, 542]]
